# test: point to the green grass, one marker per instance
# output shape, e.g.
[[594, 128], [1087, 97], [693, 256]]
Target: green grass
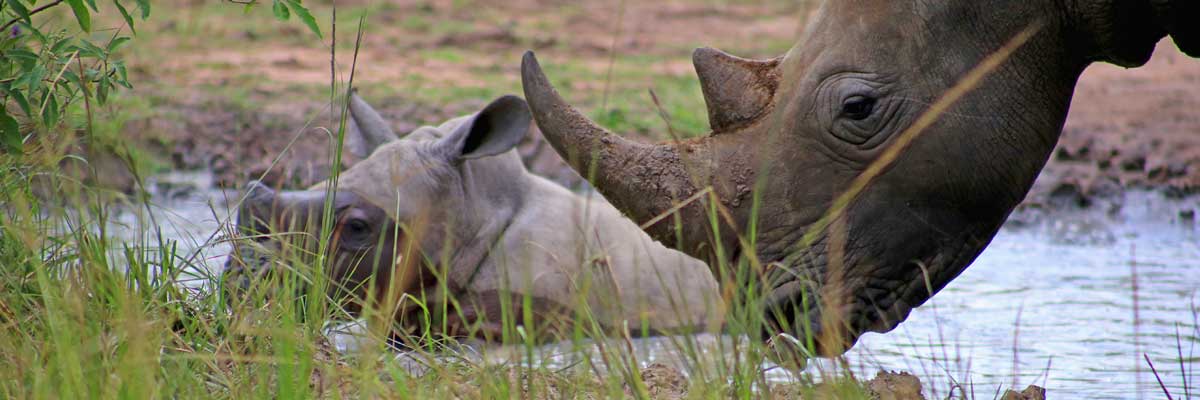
[[87, 316]]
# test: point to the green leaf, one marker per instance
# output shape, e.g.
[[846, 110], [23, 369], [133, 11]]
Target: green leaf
[[117, 42], [74, 78], [81, 14], [92, 3], [305, 16], [10, 132], [22, 12], [87, 49], [22, 55], [280, 10], [63, 46], [102, 90], [20, 99], [125, 14], [50, 113], [144, 5], [32, 79], [122, 74]]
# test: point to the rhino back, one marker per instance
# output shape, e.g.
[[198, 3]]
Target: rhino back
[[566, 248]]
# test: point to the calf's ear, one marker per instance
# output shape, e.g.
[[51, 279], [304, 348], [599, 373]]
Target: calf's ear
[[366, 130], [494, 130]]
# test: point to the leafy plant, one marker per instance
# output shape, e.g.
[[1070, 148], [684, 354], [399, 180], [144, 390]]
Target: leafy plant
[[283, 10], [53, 68]]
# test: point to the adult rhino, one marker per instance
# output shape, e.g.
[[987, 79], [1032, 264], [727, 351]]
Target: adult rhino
[[920, 124], [449, 214]]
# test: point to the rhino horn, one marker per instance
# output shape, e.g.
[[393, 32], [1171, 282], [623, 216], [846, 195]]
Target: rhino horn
[[737, 90], [643, 180], [366, 129]]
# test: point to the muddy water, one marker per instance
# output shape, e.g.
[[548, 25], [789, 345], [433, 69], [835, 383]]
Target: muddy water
[[1054, 304], [1050, 302]]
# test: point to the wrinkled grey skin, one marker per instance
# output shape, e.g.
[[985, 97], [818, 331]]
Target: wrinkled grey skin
[[805, 125], [458, 196]]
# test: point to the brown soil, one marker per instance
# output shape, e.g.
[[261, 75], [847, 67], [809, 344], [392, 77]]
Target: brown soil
[[202, 129], [279, 145], [1127, 128], [583, 31], [284, 148]]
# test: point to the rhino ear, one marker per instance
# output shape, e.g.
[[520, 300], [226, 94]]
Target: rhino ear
[[1179, 18], [496, 129], [366, 130], [1125, 32]]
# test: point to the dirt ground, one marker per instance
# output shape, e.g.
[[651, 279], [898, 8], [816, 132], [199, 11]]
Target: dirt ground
[[1129, 128], [419, 62], [424, 61]]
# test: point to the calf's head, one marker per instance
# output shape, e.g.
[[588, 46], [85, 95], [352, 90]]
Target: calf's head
[[394, 214], [817, 122]]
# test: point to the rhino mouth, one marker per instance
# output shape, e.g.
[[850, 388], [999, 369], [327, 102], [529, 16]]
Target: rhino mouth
[[825, 316], [245, 265]]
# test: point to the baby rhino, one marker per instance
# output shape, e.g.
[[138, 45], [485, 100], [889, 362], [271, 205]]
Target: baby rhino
[[449, 216]]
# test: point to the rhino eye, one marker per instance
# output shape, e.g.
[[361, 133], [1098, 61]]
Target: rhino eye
[[858, 108]]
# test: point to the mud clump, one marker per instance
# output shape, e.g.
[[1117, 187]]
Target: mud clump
[[1032, 392], [895, 386], [662, 382]]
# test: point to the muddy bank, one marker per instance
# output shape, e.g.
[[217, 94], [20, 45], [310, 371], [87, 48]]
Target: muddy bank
[[654, 381], [662, 382], [290, 145], [1128, 129]]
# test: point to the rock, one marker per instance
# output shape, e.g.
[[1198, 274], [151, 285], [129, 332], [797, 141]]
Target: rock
[[1134, 164], [1068, 194], [895, 386], [1033, 392]]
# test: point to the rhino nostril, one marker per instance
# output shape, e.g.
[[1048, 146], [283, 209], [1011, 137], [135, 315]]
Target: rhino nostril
[[254, 184]]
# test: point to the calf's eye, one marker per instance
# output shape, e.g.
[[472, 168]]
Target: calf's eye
[[356, 228], [858, 107]]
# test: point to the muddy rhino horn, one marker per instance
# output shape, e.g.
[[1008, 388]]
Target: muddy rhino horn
[[738, 91], [366, 130], [643, 180]]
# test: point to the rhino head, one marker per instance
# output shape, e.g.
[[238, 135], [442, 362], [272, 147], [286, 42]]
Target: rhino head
[[394, 213], [791, 135]]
